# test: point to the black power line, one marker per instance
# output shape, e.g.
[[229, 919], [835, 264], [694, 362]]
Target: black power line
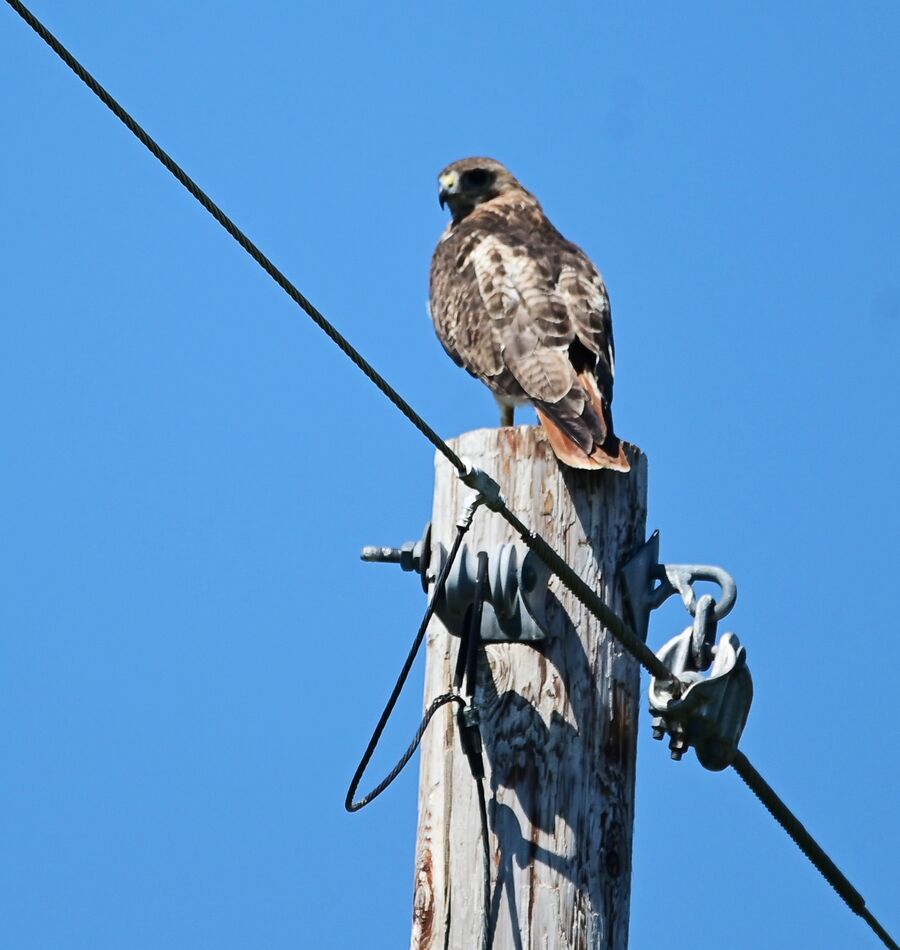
[[350, 802], [616, 626], [165, 159], [645, 656], [808, 845], [467, 712]]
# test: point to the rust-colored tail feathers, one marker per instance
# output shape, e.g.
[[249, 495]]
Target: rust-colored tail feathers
[[580, 431]]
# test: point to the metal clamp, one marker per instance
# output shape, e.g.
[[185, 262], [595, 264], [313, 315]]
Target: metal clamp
[[515, 609], [708, 713], [482, 483], [642, 595]]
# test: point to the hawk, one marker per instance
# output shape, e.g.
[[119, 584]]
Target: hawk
[[525, 311]]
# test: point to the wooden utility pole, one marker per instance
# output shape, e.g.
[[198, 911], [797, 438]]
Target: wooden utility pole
[[559, 725]]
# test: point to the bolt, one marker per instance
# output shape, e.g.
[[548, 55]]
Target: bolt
[[381, 555], [659, 728], [678, 746], [406, 556]]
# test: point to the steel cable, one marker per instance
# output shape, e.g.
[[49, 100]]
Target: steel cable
[[486, 936], [349, 803], [616, 626], [172, 166], [808, 845], [468, 644], [589, 598]]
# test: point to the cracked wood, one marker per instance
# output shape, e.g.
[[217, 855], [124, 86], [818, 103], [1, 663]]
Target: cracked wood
[[558, 723]]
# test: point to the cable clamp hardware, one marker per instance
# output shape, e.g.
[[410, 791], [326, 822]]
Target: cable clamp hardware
[[481, 482], [643, 594], [706, 712], [469, 723]]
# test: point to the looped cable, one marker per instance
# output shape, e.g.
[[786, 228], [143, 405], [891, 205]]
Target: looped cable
[[473, 477], [349, 802], [353, 806]]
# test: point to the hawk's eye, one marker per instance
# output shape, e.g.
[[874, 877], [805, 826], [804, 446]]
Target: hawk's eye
[[476, 178]]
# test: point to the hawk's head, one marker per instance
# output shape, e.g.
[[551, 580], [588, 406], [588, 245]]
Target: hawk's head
[[472, 181]]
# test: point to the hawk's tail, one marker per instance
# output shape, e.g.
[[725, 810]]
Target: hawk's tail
[[580, 429]]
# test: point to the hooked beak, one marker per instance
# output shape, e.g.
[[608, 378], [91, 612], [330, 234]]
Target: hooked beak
[[449, 183]]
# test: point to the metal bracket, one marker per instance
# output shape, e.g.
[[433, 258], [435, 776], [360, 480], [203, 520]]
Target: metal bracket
[[515, 609], [640, 573], [708, 713]]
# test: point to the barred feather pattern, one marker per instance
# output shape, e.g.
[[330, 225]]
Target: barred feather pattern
[[525, 311]]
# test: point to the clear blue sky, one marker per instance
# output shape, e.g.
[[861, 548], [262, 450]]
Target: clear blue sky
[[191, 654]]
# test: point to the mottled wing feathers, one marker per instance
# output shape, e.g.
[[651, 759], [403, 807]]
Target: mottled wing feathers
[[529, 328], [587, 305], [525, 311]]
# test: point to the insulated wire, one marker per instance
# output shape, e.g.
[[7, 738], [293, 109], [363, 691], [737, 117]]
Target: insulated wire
[[616, 626], [349, 803], [620, 630]]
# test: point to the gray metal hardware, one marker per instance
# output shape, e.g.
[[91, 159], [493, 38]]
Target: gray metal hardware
[[411, 556], [708, 713], [516, 607], [703, 632], [481, 482], [643, 595]]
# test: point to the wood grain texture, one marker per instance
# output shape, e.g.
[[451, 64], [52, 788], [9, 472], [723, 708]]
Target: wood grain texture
[[558, 723]]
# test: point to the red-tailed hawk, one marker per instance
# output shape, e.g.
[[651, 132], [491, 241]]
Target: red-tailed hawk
[[525, 311]]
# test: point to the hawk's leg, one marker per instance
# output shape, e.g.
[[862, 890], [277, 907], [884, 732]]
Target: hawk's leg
[[506, 415]]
